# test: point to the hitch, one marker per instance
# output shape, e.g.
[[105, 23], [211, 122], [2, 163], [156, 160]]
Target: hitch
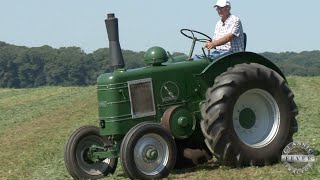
[[98, 153]]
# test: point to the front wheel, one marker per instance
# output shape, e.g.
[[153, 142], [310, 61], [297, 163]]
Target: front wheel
[[148, 151], [76, 157], [249, 116]]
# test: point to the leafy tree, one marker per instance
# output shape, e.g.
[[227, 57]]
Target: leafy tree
[[70, 66], [8, 66]]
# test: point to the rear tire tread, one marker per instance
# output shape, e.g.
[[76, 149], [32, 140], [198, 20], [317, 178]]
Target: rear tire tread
[[214, 126]]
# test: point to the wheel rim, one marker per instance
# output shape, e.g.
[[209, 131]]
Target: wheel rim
[[84, 162], [256, 118], [151, 154]]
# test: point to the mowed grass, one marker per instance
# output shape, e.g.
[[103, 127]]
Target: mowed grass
[[35, 123]]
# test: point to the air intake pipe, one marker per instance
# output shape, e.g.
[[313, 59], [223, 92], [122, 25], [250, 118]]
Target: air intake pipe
[[114, 44]]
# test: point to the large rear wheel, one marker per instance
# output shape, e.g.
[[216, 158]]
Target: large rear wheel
[[248, 116]]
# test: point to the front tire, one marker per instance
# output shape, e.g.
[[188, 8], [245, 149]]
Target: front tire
[[76, 160], [148, 151], [248, 116]]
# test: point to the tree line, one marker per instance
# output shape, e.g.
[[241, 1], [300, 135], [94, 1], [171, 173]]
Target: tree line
[[306, 63], [24, 67]]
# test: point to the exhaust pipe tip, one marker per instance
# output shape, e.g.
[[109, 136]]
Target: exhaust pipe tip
[[117, 61], [111, 15]]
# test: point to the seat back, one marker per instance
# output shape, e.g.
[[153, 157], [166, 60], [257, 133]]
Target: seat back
[[245, 41]]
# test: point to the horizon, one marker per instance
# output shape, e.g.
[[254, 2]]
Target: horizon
[[142, 50]]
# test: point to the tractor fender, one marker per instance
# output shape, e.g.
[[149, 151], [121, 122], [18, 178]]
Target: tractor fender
[[222, 64]]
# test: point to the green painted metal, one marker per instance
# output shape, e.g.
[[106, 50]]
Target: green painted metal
[[187, 81], [155, 56], [114, 99], [247, 118], [182, 123], [175, 82]]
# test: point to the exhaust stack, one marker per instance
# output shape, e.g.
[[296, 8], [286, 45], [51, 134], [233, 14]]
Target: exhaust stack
[[114, 44]]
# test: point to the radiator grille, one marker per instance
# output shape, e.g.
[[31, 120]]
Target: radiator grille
[[141, 98]]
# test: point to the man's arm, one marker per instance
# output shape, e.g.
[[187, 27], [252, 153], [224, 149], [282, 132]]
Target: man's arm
[[219, 42]]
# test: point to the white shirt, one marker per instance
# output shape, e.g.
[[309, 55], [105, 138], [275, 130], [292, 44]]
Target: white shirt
[[231, 25]]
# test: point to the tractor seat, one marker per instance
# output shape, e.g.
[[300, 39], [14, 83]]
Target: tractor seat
[[245, 41]]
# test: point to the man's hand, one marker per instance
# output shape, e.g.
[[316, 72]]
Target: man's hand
[[209, 45]]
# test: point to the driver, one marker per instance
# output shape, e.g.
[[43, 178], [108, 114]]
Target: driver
[[228, 35]]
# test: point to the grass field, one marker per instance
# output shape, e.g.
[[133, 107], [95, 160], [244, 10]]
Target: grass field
[[35, 123]]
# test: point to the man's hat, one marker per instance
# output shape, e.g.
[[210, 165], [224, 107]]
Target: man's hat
[[222, 3]]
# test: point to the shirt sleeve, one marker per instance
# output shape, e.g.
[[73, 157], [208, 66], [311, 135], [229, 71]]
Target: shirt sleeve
[[236, 27]]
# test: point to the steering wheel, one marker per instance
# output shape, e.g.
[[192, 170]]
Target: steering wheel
[[193, 37], [204, 38]]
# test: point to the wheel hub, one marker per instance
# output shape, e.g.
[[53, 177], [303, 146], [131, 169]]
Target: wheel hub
[[152, 154], [179, 121], [247, 118]]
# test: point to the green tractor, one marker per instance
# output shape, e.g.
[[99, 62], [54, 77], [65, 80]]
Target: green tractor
[[177, 113]]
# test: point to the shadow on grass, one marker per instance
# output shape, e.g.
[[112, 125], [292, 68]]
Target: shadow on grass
[[208, 167], [120, 176]]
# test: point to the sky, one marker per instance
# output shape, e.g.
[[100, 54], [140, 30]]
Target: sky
[[271, 26]]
